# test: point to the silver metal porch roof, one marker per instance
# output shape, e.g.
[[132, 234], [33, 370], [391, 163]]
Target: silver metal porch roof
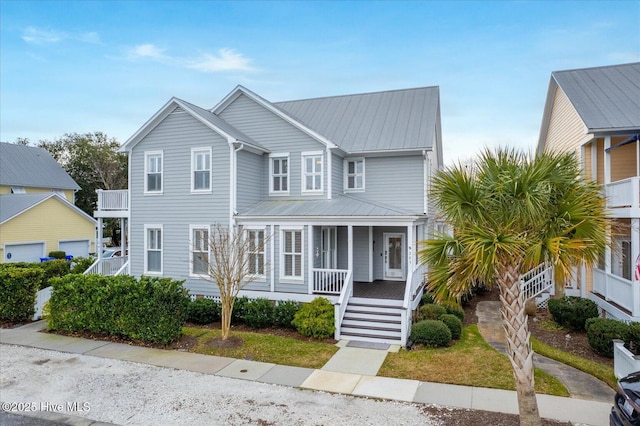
[[392, 120], [606, 98], [340, 206]]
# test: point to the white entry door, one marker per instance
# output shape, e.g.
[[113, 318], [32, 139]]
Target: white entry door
[[394, 257]]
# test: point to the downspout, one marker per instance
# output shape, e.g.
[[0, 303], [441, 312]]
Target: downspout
[[232, 180], [329, 175], [425, 195]]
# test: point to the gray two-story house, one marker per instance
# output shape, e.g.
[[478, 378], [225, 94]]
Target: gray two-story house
[[336, 186]]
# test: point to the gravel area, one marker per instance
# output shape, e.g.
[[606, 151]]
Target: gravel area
[[127, 393]]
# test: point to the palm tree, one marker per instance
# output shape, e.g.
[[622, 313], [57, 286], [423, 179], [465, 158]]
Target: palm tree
[[511, 212]]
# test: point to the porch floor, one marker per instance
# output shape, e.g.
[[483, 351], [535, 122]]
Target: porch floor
[[379, 289]]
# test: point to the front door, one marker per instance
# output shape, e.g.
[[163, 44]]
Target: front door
[[394, 254]]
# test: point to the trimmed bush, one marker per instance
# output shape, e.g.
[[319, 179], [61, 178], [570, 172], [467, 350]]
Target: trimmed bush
[[315, 319], [572, 312], [431, 312], [453, 323], [50, 269], [456, 310], [150, 309], [18, 288], [259, 313], [204, 311], [81, 264], [285, 312], [239, 308], [633, 338], [427, 299], [58, 254], [602, 331], [431, 333]]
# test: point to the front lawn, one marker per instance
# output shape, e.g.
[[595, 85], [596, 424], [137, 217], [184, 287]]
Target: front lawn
[[471, 361], [263, 347]]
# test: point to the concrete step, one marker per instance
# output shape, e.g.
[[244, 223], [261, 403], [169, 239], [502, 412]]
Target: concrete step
[[378, 310], [375, 302], [371, 325], [373, 317], [348, 333]]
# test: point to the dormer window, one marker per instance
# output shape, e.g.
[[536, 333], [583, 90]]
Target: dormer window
[[18, 190]]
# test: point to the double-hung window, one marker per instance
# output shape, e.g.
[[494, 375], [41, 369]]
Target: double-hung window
[[312, 171], [354, 174], [153, 172], [153, 249], [201, 169], [255, 251], [199, 250], [291, 252], [279, 171]]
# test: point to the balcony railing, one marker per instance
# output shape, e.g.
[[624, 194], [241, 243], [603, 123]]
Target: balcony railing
[[613, 288], [329, 281], [112, 203], [111, 266], [624, 193]]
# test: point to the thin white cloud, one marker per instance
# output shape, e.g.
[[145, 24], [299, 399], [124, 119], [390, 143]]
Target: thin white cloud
[[226, 60], [90, 37], [146, 51], [35, 35]]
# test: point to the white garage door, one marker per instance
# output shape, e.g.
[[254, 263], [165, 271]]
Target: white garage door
[[31, 252], [76, 248]]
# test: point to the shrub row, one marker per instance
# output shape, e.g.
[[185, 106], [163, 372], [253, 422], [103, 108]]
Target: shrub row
[[18, 288], [256, 313], [50, 269], [602, 331], [572, 312], [150, 309], [434, 312], [437, 332], [316, 319]]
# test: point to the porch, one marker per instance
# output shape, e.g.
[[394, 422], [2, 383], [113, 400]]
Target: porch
[[619, 296]]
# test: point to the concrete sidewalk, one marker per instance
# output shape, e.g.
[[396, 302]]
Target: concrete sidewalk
[[359, 381]]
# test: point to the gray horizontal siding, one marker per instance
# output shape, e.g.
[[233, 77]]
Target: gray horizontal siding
[[361, 252], [337, 163], [394, 181], [251, 185], [176, 208]]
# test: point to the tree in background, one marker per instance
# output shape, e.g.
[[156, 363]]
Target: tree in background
[[511, 212]]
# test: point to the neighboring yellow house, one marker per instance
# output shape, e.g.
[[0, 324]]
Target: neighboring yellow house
[[595, 112], [37, 214]]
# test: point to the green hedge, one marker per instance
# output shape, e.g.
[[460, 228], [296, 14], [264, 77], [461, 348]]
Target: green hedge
[[204, 311], [285, 312], [18, 288], [51, 269], [431, 333], [150, 309], [259, 313], [453, 323], [430, 311], [572, 312], [315, 319], [602, 331]]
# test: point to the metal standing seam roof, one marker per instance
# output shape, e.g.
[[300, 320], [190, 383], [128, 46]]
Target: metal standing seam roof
[[338, 206], [606, 98], [32, 167], [221, 124], [380, 121]]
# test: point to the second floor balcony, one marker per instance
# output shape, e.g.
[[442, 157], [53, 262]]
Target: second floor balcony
[[112, 203], [623, 197]]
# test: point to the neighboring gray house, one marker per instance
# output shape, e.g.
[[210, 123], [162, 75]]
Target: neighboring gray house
[[338, 184]]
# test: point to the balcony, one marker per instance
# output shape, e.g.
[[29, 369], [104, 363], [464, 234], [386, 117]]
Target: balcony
[[617, 291], [623, 197], [112, 204]]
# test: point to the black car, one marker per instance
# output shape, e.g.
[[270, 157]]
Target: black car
[[626, 404]]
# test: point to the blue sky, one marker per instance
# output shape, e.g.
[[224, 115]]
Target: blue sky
[[109, 66]]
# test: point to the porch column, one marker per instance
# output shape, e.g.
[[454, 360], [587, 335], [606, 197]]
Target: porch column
[[635, 258], [99, 245], [310, 258], [607, 160], [350, 248], [371, 254], [123, 238], [410, 249]]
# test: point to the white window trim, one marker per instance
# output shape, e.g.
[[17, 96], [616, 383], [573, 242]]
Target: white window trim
[[146, 242], [283, 277], [259, 277], [18, 190], [346, 174], [271, 158], [191, 229], [146, 164], [303, 172], [194, 151]]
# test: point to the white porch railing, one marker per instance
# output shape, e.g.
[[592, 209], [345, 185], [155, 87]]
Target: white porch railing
[[329, 281], [341, 306], [42, 297], [623, 193], [614, 288], [113, 200], [110, 266], [536, 281], [415, 279]]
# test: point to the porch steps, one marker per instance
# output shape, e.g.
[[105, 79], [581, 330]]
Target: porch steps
[[372, 320]]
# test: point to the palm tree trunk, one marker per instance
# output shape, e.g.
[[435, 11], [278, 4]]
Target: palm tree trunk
[[514, 320]]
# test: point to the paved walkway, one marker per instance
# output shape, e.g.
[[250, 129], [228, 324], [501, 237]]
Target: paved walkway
[[579, 384], [356, 382]]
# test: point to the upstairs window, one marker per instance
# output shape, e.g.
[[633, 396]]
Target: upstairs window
[[279, 166], [153, 172], [201, 169], [354, 174], [312, 172]]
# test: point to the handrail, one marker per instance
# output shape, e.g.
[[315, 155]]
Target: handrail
[[93, 269], [341, 305], [536, 281], [328, 281]]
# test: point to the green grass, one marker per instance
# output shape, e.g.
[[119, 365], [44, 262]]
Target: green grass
[[600, 371], [471, 361], [265, 348]]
